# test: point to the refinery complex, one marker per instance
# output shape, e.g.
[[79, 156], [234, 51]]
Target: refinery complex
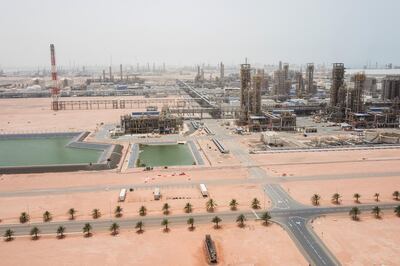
[[199, 133]]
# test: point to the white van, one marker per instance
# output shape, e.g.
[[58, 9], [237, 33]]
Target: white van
[[157, 194], [204, 190], [122, 195]]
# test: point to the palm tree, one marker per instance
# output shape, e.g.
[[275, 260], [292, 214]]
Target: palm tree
[[118, 211], [139, 225], [233, 204], [335, 198], [9, 234], [315, 199], [86, 229], [96, 213], [72, 212], [165, 223], [34, 233], [210, 205], [142, 211], [396, 195], [216, 220], [376, 195], [241, 219], [266, 217], [255, 203], [24, 218], [191, 222], [397, 210], [188, 208], [357, 197], [165, 208], [376, 211], [60, 231], [114, 229], [46, 216], [354, 212]]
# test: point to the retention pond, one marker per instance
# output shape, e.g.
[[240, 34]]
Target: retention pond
[[49, 152], [164, 155]]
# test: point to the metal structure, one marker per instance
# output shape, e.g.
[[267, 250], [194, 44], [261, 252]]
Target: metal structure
[[299, 85], [286, 70], [55, 90], [121, 104], [211, 251], [150, 122], [255, 107], [391, 87], [281, 83], [355, 97], [245, 91], [221, 71], [111, 76], [310, 88], [337, 96]]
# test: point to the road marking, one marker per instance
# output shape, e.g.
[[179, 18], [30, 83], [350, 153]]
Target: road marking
[[276, 198], [255, 214], [304, 236]]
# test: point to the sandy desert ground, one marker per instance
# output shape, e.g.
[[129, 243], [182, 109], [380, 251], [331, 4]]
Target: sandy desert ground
[[302, 164], [214, 156], [302, 191], [235, 246], [320, 157], [35, 115], [134, 176], [369, 241]]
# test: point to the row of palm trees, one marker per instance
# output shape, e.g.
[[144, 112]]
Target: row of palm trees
[[211, 205], [336, 197], [114, 228], [376, 211]]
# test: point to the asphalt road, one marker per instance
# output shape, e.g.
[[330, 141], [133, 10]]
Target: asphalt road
[[295, 218]]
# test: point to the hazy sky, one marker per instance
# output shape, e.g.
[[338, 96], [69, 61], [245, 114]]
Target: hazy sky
[[89, 32]]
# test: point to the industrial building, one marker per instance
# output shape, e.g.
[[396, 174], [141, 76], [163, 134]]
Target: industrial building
[[150, 122], [375, 117], [299, 85], [391, 87], [371, 87], [347, 103], [281, 83], [245, 93], [311, 89], [338, 93], [355, 100]]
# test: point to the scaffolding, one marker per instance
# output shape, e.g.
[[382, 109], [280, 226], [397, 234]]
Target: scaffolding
[[300, 85], [151, 122], [355, 97], [310, 88], [245, 80], [337, 97]]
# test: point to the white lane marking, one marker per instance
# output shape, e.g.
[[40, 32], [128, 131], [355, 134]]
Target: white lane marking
[[304, 236], [255, 214], [277, 197]]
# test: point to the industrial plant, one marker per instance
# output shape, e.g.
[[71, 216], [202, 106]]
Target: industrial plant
[[165, 141]]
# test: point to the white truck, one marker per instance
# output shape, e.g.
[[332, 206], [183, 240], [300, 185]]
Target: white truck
[[203, 190], [157, 194], [122, 195]]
